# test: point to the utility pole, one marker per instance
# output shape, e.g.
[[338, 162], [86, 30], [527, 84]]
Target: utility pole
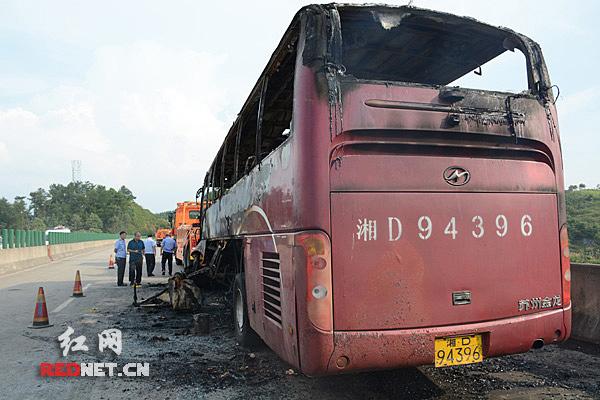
[[76, 170]]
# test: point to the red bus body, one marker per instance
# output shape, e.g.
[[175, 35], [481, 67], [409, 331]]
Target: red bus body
[[355, 235]]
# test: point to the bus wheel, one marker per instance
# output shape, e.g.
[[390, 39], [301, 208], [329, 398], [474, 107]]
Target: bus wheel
[[244, 334]]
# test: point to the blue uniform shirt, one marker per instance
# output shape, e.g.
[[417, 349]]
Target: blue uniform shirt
[[121, 248], [133, 245], [149, 244], [168, 245]]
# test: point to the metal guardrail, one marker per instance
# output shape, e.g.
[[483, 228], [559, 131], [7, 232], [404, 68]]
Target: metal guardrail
[[19, 238]]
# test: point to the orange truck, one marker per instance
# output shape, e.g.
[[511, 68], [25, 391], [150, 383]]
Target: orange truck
[[187, 230], [161, 234]]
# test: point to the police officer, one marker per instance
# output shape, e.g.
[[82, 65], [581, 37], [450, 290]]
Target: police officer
[[167, 248], [135, 248], [149, 252], [121, 257]]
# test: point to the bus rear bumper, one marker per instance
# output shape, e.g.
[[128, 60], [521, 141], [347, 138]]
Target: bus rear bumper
[[370, 350]]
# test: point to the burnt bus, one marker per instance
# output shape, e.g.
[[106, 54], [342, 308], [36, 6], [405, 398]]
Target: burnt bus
[[370, 214]]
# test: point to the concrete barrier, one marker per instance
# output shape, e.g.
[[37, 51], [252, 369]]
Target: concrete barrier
[[585, 295], [13, 260], [58, 251]]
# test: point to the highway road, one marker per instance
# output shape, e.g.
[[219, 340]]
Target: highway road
[[184, 365]]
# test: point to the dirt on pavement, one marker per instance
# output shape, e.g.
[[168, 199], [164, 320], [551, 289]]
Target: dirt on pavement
[[213, 366]]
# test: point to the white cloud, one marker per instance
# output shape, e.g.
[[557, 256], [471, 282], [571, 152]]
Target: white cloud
[[145, 116], [153, 92], [4, 156], [579, 101]]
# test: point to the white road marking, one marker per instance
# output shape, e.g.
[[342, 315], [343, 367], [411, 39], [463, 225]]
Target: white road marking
[[68, 301], [63, 305]]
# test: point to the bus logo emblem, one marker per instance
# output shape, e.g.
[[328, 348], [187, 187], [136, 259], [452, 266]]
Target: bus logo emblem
[[457, 176]]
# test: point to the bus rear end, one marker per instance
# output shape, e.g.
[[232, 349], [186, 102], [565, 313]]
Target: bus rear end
[[448, 241]]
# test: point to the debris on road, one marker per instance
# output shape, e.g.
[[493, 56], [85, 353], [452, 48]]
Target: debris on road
[[183, 293], [201, 324]]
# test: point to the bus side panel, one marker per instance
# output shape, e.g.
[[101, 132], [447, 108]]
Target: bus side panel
[[270, 291]]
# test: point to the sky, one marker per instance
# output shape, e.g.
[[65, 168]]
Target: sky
[[143, 92]]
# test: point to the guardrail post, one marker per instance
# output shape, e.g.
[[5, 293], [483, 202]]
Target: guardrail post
[[5, 244], [11, 238], [18, 238]]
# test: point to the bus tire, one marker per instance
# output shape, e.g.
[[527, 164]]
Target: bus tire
[[244, 334]]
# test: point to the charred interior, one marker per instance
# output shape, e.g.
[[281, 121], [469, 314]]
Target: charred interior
[[262, 127], [401, 45]]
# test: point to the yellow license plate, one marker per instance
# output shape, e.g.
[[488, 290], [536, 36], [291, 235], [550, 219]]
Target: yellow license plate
[[458, 350]]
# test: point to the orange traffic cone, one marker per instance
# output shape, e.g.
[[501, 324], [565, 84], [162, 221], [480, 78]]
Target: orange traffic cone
[[40, 315], [77, 290], [111, 262]]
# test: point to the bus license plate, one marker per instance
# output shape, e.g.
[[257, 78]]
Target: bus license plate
[[458, 350]]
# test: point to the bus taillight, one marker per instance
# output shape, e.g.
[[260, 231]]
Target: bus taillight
[[565, 262], [317, 251]]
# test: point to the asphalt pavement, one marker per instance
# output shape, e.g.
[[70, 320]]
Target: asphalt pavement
[[185, 365]]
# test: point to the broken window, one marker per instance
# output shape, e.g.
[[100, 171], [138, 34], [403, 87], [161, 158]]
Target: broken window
[[247, 141], [214, 191], [277, 103], [229, 161], [405, 46]]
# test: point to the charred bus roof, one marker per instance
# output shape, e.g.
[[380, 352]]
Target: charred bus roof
[[404, 44], [398, 44]]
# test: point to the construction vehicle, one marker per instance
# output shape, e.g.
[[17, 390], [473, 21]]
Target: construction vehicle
[[161, 234], [186, 230]]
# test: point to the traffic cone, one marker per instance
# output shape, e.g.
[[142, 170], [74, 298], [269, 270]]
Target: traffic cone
[[40, 315], [77, 290], [111, 262]]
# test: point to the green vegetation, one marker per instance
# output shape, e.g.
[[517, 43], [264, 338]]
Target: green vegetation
[[80, 206], [583, 215]]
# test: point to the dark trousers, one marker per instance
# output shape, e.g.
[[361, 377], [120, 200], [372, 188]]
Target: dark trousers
[[135, 270], [150, 263], [167, 257], [120, 270]]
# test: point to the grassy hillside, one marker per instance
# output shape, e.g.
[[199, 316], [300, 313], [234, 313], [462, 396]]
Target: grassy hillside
[[583, 215], [144, 220]]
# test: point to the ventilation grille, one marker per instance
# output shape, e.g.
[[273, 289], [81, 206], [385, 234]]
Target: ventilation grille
[[271, 277]]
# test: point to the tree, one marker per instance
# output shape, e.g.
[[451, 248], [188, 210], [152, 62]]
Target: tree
[[76, 222], [93, 223], [79, 205], [38, 224], [127, 193], [38, 202], [7, 219]]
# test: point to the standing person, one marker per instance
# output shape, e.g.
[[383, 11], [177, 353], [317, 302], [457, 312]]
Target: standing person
[[167, 248], [135, 248], [150, 253], [121, 257]]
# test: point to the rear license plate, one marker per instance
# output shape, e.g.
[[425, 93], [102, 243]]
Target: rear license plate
[[458, 350]]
